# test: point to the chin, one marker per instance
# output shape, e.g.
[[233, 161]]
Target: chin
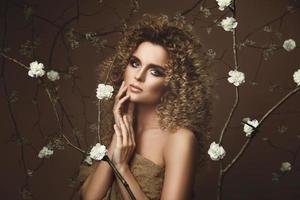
[[143, 100], [135, 97]]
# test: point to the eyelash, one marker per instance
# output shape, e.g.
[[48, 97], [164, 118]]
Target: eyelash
[[132, 62]]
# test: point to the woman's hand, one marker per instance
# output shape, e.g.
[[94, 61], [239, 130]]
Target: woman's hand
[[118, 109], [125, 141], [117, 113]]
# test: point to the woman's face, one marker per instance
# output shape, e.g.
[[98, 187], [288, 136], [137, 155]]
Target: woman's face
[[146, 69]]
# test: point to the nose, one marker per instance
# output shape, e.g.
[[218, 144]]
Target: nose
[[140, 73]]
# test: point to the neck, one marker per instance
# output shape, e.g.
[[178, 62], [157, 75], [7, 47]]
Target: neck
[[146, 117]]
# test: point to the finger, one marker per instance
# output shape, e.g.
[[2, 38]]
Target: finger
[[128, 130], [119, 136], [123, 132], [132, 134], [121, 90], [121, 86], [131, 107], [126, 123], [123, 99], [119, 103], [119, 106], [131, 137]]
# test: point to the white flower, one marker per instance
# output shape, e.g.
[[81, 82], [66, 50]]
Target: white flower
[[296, 77], [36, 69], [236, 77], [229, 24], [88, 160], [285, 166], [248, 129], [53, 75], [223, 3], [216, 152], [98, 152], [104, 91], [45, 152], [289, 44]]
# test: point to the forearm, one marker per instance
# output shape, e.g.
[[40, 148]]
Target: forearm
[[97, 184], [133, 184]]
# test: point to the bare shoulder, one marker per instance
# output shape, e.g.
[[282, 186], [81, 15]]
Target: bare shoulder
[[180, 161], [182, 141]]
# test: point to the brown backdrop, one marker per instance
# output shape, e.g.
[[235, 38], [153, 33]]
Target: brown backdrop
[[28, 121]]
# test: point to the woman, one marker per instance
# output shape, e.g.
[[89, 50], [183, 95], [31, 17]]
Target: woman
[[161, 113]]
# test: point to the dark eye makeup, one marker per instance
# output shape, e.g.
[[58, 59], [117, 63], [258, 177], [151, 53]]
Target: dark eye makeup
[[134, 62]]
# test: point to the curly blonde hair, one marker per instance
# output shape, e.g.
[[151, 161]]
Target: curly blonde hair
[[187, 102]]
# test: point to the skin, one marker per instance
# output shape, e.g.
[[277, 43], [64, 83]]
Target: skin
[[145, 69]]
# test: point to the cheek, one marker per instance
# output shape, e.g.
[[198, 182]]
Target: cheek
[[156, 89], [127, 74]]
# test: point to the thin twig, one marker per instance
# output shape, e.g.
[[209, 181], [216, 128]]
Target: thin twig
[[50, 97], [124, 182], [266, 115]]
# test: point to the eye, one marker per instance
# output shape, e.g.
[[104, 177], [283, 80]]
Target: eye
[[157, 72], [133, 63]]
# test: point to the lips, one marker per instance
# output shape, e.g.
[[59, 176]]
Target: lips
[[136, 87]]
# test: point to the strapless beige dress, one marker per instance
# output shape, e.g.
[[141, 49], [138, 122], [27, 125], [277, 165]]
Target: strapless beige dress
[[148, 174]]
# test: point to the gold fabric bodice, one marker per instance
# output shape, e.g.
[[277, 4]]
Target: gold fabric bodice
[[148, 174]]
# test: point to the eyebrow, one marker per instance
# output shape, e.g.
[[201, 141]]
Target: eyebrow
[[151, 64]]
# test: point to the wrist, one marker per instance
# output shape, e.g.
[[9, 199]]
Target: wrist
[[109, 154], [123, 168]]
